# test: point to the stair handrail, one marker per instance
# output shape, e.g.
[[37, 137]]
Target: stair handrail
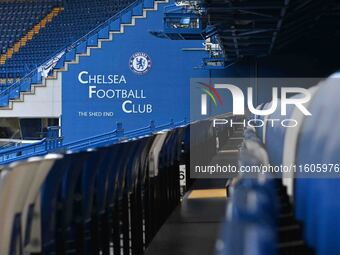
[[70, 47]]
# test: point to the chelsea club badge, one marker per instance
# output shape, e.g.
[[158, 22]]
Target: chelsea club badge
[[140, 63]]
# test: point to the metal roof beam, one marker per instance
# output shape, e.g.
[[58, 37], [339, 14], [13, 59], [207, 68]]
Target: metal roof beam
[[267, 27], [246, 37], [279, 25], [257, 13], [259, 31], [233, 18], [235, 42], [243, 50], [248, 43], [246, 6]]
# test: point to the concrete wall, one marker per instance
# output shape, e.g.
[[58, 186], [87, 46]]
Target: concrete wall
[[44, 103]]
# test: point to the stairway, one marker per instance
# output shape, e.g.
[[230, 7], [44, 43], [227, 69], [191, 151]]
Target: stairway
[[81, 48]]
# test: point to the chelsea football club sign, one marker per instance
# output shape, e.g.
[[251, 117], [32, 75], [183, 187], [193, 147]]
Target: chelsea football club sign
[[140, 63]]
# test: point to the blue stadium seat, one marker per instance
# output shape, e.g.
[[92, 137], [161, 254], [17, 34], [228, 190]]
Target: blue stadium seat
[[32, 211], [14, 190], [319, 143], [252, 209], [246, 238]]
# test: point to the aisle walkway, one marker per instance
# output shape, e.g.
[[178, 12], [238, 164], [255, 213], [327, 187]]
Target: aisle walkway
[[193, 227]]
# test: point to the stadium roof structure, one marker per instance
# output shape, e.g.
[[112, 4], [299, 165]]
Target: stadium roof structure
[[248, 28]]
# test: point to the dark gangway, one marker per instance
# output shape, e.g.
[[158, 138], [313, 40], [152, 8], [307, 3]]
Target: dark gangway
[[194, 226]]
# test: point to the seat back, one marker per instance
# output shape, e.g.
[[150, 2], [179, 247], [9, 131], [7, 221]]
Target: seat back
[[31, 210], [319, 143], [13, 196]]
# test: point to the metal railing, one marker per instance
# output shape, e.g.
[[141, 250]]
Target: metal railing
[[55, 143], [9, 145], [119, 135], [52, 142]]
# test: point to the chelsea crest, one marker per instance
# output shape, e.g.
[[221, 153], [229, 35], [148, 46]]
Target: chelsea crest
[[140, 63]]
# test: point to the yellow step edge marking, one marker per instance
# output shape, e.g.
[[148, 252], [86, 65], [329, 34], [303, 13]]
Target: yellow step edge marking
[[207, 193], [29, 35]]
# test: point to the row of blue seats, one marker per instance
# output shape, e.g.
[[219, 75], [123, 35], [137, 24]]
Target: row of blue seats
[[14, 27], [102, 200], [27, 2], [314, 147], [24, 8], [21, 23], [251, 214], [24, 11], [83, 202], [13, 72], [259, 218]]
